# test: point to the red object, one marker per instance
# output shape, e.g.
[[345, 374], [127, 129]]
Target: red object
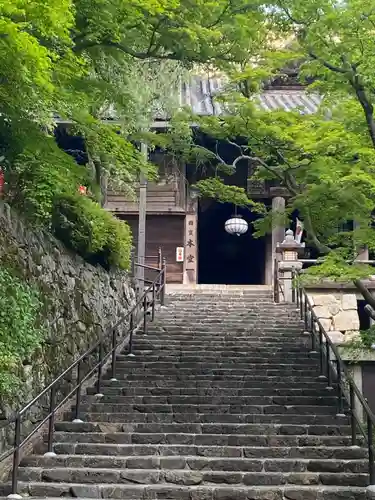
[[82, 189], [2, 181]]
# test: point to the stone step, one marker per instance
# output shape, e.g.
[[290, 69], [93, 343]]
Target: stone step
[[326, 416], [205, 413], [262, 380], [222, 296], [334, 428], [273, 475], [223, 356], [221, 328], [276, 463], [142, 344], [114, 403], [236, 445], [182, 492], [245, 375], [247, 333], [246, 343], [137, 365], [219, 361], [115, 393], [250, 300], [240, 308], [227, 318]]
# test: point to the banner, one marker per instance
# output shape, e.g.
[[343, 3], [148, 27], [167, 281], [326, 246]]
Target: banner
[[299, 231]]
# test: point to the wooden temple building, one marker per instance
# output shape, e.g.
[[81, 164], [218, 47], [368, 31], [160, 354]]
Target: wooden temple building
[[191, 232]]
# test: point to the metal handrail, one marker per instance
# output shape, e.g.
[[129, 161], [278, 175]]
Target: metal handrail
[[333, 367], [143, 305], [152, 268]]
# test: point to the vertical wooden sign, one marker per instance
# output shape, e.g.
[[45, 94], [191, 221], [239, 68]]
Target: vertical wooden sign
[[190, 264]]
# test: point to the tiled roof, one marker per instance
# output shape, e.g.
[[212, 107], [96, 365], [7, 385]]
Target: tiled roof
[[198, 95], [199, 92]]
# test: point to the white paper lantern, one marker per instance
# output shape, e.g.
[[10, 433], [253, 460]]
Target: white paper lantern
[[237, 225]]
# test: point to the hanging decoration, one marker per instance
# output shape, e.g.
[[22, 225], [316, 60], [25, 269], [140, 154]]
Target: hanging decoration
[[236, 225]]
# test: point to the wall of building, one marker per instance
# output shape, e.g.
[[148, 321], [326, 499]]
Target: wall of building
[[80, 304], [164, 231]]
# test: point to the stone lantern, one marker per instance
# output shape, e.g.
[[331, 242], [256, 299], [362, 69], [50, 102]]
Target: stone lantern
[[289, 249]]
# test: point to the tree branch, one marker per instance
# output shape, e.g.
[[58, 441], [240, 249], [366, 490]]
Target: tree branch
[[321, 247], [327, 64], [367, 295], [367, 107]]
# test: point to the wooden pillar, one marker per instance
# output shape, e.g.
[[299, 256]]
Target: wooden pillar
[[141, 251], [278, 230], [269, 261]]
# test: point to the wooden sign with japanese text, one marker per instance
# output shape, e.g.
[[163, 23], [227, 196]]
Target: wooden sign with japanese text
[[190, 267], [180, 254]]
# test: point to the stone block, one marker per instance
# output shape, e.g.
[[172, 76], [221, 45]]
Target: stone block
[[325, 300], [336, 337], [349, 302], [322, 312], [346, 320], [327, 324]]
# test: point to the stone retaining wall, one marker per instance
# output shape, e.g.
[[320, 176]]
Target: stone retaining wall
[[338, 314], [80, 303]]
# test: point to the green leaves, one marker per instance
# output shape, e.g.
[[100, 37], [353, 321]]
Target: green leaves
[[20, 335], [215, 188], [92, 232]]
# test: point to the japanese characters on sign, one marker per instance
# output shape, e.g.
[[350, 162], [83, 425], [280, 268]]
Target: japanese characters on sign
[[180, 254], [190, 248]]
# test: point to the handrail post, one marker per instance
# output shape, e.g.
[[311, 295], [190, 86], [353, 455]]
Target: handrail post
[[321, 353], [305, 315], [313, 336], [340, 405], [353, 425], [114, 358], [145, 314], [51, 423], [160, 258], [328, 365], [133, 264], [131, 330], [300, 301], [153, 302], [100, 371], [78, 394], [370, 440], [16, 456], [163, 282]]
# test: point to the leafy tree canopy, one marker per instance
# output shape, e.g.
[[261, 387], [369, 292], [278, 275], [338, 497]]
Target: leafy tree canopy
[[85, 59], [325, 161]]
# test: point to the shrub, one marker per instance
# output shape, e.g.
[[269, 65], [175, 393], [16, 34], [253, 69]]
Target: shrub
[[20, 335], [95, 234], [39, 175]]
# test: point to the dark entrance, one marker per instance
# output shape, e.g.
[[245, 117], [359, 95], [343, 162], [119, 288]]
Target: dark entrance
[[224, 258]]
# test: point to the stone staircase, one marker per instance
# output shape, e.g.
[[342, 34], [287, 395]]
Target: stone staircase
[[222, 401]]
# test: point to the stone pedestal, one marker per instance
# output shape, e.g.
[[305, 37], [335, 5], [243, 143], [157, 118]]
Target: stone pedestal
[[287, 271]]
